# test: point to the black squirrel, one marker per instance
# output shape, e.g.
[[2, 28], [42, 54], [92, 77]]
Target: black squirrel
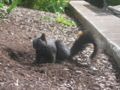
[[45, 50], [50, 51], [63, 52], [55, 51]]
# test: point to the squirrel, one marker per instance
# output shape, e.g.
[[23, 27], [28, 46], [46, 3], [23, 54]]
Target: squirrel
[[45, 50], [81, 42], [63, 52], [50, 51], [55, 51]]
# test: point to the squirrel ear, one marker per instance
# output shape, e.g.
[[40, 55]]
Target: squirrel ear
[[43, 37]]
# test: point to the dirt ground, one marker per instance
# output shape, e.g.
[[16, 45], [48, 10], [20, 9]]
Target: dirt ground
[[17, 72]]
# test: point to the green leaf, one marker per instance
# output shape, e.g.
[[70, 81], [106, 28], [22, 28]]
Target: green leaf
[[13, 5], [63, 20], [1, 5]]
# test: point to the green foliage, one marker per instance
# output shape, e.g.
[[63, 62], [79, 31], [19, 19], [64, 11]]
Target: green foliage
[[27, 3], [13, 5], [8, 2], [47, 18], [46, 5], [59, 19], [7, 9], [63, 20], [1, 5], [1, 1], [113, 2]]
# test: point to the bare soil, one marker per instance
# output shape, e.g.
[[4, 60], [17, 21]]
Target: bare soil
[[17, 55]]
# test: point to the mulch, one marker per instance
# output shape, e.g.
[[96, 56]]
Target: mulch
[[17, 72]]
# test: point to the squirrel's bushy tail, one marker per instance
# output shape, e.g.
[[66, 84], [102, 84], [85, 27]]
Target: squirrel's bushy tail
[[81, 42]]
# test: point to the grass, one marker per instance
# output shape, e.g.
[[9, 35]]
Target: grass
[[65, 21], [60, 19]]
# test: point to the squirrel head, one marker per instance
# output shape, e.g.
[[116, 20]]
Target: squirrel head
[[40, 42]]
